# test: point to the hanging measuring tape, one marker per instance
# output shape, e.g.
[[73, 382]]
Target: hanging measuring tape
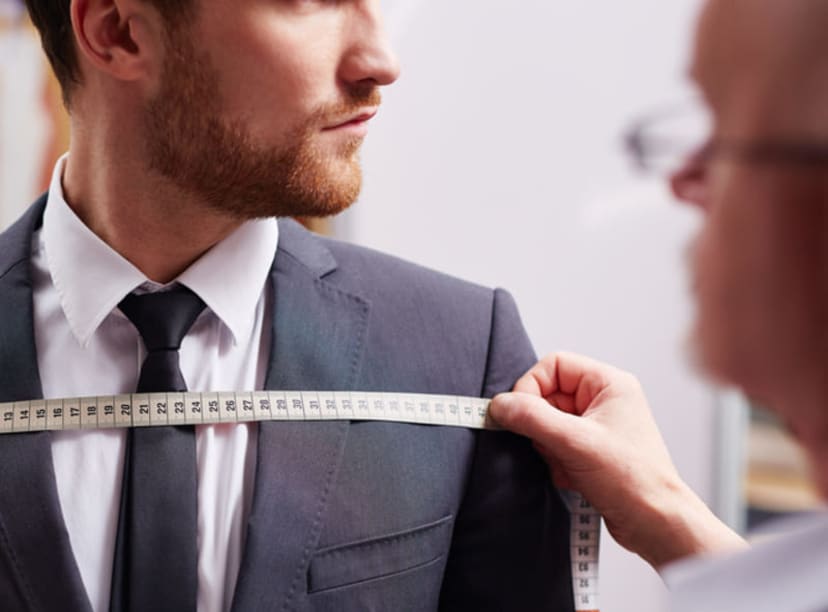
[[163, 409]]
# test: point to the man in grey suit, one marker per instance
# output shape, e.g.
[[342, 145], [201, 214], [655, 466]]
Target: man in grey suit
[[195, 123]]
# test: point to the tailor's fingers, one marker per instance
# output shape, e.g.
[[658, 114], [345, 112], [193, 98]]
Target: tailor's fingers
[[535, 418], [570, 381]]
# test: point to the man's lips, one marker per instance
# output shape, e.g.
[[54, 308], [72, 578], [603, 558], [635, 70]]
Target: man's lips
[[358, 120]]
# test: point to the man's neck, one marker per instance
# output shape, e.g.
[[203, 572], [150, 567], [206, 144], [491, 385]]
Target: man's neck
[[157, 227]]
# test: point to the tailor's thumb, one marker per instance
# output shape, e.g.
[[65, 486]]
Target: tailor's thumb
[[530, 416]]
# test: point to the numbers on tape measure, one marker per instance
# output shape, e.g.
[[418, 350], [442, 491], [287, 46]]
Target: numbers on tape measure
[[160, 409], [585, 534]]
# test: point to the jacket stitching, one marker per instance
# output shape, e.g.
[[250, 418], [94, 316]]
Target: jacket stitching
[[12, 266], [407, 570]]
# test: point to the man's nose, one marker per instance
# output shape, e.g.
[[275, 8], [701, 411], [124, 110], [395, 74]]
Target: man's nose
[[689, 182], [370, 58]]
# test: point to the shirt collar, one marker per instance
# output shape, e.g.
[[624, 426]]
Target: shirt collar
[[91, 278], [231, 276]]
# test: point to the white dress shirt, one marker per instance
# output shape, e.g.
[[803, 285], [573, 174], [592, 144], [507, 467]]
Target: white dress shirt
[[785, 573], [86, 346]]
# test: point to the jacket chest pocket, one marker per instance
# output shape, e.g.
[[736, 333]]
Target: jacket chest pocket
[[379, 559]]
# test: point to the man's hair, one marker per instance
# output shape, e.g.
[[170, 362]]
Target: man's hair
[[52, 19]]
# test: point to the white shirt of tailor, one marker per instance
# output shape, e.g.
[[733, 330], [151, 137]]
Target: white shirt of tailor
[[87, 347]]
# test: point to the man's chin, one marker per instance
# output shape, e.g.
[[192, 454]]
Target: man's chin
[[314, 190], [707, 356], [694, 354], [333, 194], [725, 361]]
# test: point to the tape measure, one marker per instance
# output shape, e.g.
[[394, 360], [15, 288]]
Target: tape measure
[[585, 544], [163, 409]]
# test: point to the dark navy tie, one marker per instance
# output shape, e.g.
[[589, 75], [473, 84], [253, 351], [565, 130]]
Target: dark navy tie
[[156, 551]]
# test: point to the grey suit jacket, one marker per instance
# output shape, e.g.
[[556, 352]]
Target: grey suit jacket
[[346, 515]]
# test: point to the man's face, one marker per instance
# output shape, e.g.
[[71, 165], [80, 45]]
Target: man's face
[[263, 104], [760, 263]]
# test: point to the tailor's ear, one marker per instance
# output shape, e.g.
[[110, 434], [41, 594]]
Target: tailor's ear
[[120, 38]]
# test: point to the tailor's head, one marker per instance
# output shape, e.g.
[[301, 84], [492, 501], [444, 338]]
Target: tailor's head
[[254, 107], [761, 259]]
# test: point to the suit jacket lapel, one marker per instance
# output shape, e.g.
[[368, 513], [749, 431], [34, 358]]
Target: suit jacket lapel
[[318, 335], [32, 529]]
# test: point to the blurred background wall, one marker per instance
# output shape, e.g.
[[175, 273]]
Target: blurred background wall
[[33, 124], [497, 157]]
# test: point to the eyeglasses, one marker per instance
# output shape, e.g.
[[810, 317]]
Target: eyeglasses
[[664, 141]]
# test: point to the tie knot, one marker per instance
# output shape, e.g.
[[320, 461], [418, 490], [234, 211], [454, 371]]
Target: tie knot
[[164, 318]]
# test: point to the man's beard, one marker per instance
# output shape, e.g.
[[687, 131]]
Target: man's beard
[[192, 145]]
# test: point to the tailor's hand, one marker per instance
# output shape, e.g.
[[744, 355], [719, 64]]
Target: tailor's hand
[[603, 442]]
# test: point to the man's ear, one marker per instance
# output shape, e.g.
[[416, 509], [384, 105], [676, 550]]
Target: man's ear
[[118, 37]]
